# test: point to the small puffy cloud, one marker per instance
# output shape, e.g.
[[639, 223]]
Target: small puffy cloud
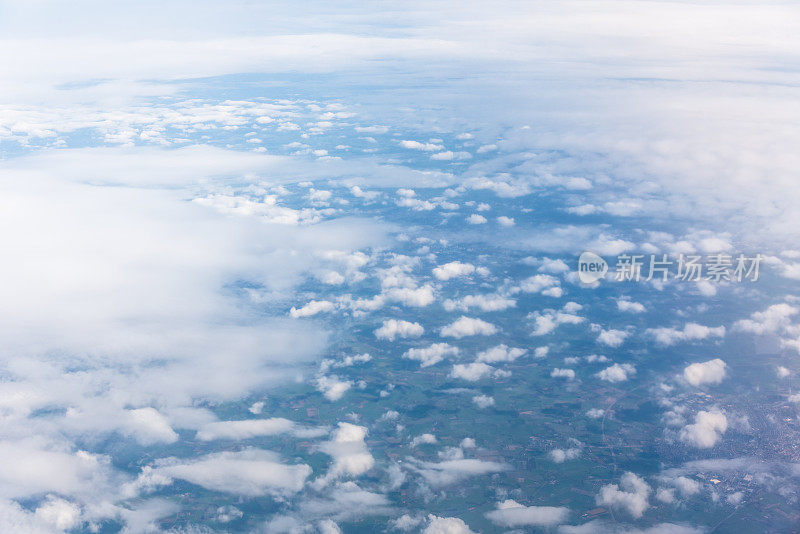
[[417, 297], [449, 155], [774, 319], [349, 451], [416, 145], [453, 270], [691, 332], [782, 372], [424, 439], [332, 388], [447, 472], [559, 456], [475, 371], [630, 495], [617, 372], [550, 320], [706, 430], [505, 221], [512, 514], [446, 525], [431, 355], [710, 372], [542, 283], [612, 337], [486, 303], [626, 305], [476, 219], [569, 374], [468, 326], [483, 401], [595, 413], [687, 486], [312, 308], [394, 328], [500, 353]]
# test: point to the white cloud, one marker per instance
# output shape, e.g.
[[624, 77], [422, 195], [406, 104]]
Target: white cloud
[[431, 355], [453, 270], [691, 332], [500, 353], [487, 303], [626, 305], [476, 219], [448, 472], [774, 319], [542, 283], [251, 472], [250, 428], [393, 328], [559, 456], [706, 430], [483, 401], [512, 514], [548, 321], [467, 326], [446, 525], [612, 337], [630, 495], [505, 221], [428, 439], [617, 372], [710, 372], [349, 452], [332, 388], [474, 371], [569, 374], [312, 308], [416, 145]]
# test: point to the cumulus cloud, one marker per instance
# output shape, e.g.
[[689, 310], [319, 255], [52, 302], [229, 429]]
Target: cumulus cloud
[[483, 401], [569, 374], [612, 337], [710, 372], [349, 452], [542, 283], [468, 326], [439, 474], [446, 525], [431, 355], [475, 371], [617, 372], [691, 332], [394, 328], [332, 387], [630, 495], [548, 321], [500, 353], [511, 514], [706, 431], [774, 319], [452, 270], [486, 303], [312, 308]]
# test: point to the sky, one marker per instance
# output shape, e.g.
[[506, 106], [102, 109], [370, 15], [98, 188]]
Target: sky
[[214, 210]]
